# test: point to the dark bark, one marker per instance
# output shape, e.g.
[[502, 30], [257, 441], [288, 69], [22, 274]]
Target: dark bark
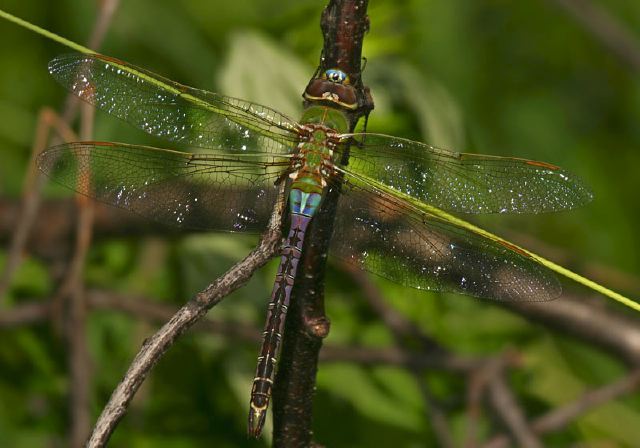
[[344, 23]]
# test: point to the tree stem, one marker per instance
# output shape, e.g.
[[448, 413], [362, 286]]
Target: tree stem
[[343, 23]]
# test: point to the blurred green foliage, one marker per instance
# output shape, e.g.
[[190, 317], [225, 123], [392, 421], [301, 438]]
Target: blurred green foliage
[[490, 76]]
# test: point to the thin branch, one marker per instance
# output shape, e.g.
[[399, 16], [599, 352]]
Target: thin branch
[[79, 360], [560, 417], [610, 32], [154, 347], [25, 314], [53, 228], [106, 11], [511, 413], [588, 267], [480, 379], [73, 287], [344, 24], [403, 329], [47, 120], [475, 389], [158, 313], [152, 311], [588, 320]]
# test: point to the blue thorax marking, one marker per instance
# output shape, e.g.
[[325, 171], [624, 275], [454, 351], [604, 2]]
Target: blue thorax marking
[[302, 203]]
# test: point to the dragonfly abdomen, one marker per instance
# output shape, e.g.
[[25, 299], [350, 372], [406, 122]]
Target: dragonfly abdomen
[[305, 196], [280, 296]]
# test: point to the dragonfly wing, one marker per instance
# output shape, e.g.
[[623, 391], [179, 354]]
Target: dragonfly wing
[[194, 191], [466, 183], [169, 110], [387, 236]]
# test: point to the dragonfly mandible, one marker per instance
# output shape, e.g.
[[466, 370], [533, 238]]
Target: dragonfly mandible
[[390, 187]]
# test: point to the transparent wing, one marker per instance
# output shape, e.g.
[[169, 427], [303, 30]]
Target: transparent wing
[[169, 110], [391, 238], [196, 191], [466, 183]]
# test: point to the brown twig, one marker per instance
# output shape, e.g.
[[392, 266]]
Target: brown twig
[[48, 120], [606, 29], [72, 289], [158, 313], [29, 313], [151, 311], [588, 267], [562, 416], [475, 387], [79, 361], [343, 24], [403, 329], [479, 381], [53, 229], [74, 292], [588, 320], [511, 413], [106, 11], [189, 314]]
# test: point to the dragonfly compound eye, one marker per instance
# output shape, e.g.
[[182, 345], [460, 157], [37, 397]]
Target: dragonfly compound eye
[[337, 76]]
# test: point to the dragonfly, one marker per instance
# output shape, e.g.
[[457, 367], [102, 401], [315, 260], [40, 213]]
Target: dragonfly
[[240, 153]]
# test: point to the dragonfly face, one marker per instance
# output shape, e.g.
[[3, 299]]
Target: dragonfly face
[[334, 86]]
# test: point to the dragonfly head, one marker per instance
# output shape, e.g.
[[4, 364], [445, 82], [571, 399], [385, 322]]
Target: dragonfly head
[[333, 86]]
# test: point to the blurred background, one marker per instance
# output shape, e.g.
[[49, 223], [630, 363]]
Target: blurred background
[[535, 79]]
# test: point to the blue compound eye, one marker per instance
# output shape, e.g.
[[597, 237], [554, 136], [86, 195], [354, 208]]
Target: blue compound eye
[[337, 76]]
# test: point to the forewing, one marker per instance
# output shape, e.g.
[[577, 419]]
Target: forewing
[[169, 110], [387, 236], [195, 191], [466, 183]]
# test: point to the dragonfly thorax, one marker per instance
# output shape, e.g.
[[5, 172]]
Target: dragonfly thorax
[[312, 165], [328, 118]]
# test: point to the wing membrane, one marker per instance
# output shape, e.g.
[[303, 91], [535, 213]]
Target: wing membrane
[[466, 183], [389, 237], [169, 110], [196, 191]]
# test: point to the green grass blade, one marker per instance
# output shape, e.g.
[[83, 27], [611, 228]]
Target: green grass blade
[[543, 261], [45, 33]]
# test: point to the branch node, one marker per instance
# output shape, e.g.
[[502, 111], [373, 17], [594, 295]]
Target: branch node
[[318, 327]]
